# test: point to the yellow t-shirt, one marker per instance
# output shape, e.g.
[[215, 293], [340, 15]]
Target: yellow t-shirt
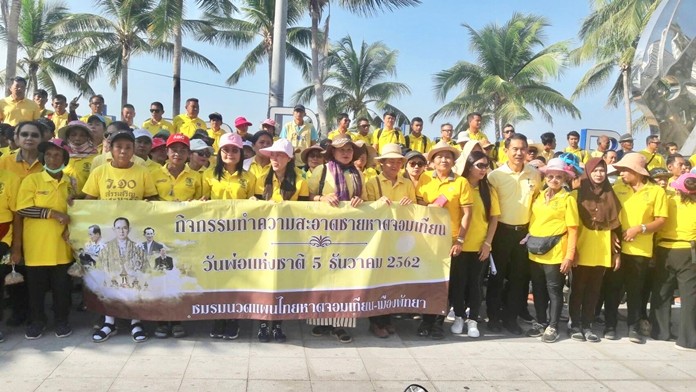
[[155, 126], [640, 208], [107, 119], [151, 165], [187, 186], [330, 184], [18, 166], [259, 172], [216, 135], [59, 120], [187, 125], [516, 192], [369, 173], [680, 224], [365, 138], [101, 159], [335, 133], [553, 218], [596, 154], [379, 186], [653, 160], [502, 155], [580, 153], [79, 169], [301, 187], [9, 186], [478, 228], [455, 188], [478, 136], [693, 161], [380, 137], [230, 186], [109, 183], [13, 113], [548, 155], [421, 143], [43, 243], [594, 247]]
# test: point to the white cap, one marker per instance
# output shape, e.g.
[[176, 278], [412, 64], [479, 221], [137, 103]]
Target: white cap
[[198, 145], [280, 145], [463, 137], [142, 133]]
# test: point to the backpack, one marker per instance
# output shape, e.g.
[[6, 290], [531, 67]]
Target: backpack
[[425, 142]]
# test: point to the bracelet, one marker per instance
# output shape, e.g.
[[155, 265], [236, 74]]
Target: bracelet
[[643, 229], [460, 240], [488, 244]]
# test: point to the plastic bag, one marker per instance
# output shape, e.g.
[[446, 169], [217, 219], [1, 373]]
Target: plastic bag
[[14, 277], [76, 270]]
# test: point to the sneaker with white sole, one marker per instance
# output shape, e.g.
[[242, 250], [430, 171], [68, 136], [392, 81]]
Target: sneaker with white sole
[[458, 326], [472, 329], [550, 335], [450, 316]]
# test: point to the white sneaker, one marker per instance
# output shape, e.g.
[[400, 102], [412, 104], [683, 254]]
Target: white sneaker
[[450, 315], [472, 329], [458, 326]]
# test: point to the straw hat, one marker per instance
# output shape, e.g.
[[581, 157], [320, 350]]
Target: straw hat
[[633, 161], [442, 146], [391, 151], [366, 148], [557, 165], [466, 151], [306, 151], [532, 144], [64, 132]]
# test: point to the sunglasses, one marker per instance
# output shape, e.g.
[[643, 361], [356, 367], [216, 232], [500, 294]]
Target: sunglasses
[[205, 153], [365, 126], [416, 164], [155, 110], [30, 134], [96, 103], [552, 177], [481, 166], [508, 131]]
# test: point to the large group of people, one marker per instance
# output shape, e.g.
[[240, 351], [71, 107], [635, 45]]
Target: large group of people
[[603, 223]]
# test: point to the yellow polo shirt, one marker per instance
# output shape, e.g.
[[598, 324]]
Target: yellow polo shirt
[[379, 186], [369, 173], [653, 160], [580, 153], [13, 112], [42, 239], [187, 125], [640, 208], [187, 186], [693, 161], [17, 165], [680, 224], [79, 169], [151, 165], [596, 154], [155, 126], [259, 172], [455, 188], [107, 119], [548, 155], [365, 138], [553, 218], [594, 247], [230, 186], [478, 136], [216, 135], [330, 184], [336, 132], [107, 157], [60, 120], [478, 228], [421, 143], [301, 187], [380, 137], [502, 155], [9, 187], [516, 192], [109, 183]]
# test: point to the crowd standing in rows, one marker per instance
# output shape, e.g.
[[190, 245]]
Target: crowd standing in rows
[[602, 222]]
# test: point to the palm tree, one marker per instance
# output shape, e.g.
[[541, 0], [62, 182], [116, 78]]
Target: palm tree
[[319, 43], [44, 56], [609, 37], [257, 23], [355, 80], [10, 18], [168, 22], [510, 76]]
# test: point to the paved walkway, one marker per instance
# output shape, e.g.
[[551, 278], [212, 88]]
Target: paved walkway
[[307, 363]]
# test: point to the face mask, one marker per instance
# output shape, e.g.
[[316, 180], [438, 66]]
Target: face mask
[[54, 171]]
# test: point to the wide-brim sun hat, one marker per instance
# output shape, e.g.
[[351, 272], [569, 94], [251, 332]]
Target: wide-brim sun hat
[[442, 146], [391, 151], [558, 165], [532, 144], [280, 145], [680, 183], [231, 139], [462, 137], [340, 141], [633, 161], [626, 137], [64, 132], [573, 161], [305, 153], [365, 148]]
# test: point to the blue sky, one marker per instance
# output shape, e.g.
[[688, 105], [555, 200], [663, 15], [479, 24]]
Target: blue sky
[[429, 38]]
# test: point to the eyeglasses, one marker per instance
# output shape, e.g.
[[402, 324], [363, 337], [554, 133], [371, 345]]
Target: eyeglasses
[[96, 103], [416, 164], [30, 134], [447, 130], [555, 177], [508, 131], [155, 110], [481, 166], [205, 153], [364, 126]]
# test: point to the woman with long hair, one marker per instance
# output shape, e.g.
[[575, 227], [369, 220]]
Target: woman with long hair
[[676, 265], [598, 209], [466, 270]]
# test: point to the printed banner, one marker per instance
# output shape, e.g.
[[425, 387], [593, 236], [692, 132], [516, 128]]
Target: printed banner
[[260, 260]]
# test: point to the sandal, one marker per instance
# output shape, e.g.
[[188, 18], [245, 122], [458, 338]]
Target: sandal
[[137, 332], [342, 335], [100, 336]]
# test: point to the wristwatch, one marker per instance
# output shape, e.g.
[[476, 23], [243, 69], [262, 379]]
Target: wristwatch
[[460, 240], [643, 229]]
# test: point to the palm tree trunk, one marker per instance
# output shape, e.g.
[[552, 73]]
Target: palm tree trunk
[[315, 13], [33, 81], [176, 76], [124, 76], [625, 75], [12, 43]]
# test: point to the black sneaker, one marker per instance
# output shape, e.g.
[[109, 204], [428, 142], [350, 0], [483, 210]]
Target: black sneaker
[[321, 330], [513, 327], [610, 333], [436, 332], [494, 326], [526, 317], [264, 335], [536, 331], [278, 334], [218, 330], [424, 329], [162, 330], [63, 330], [34, 331], [231, 330], [634, 335]]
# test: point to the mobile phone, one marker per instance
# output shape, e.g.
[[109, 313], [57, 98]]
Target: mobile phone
[[440, 201]]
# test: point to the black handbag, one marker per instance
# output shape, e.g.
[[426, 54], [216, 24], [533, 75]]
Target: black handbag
[[542, 245]]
